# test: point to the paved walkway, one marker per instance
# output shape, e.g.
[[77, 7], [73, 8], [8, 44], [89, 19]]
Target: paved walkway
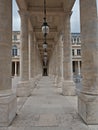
[[47, 109]]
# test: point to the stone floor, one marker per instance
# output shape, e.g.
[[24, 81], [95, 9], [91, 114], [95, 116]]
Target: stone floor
[[47, 109]]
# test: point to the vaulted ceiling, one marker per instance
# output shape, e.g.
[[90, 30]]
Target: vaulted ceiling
[[54, 8]]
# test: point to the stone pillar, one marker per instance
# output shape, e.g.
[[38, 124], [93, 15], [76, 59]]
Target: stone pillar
[[39, 71], [55, 66], [51, 66], [68, 87], [88, 94], [8, 102], [79, 68], [53, 63], [56, 61], [31, 58], [23, 88], [36, 63], [35, 60], [60, 61], [15, 68]]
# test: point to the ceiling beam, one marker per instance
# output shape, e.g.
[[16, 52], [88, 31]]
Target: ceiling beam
[[49, 9], [49, 13]]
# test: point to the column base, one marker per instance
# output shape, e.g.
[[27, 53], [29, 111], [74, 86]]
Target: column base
[[60, 82], [23, 89], [68, 88], [88, 108], [8, 107]]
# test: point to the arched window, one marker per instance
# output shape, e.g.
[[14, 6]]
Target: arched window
[[14, 50]]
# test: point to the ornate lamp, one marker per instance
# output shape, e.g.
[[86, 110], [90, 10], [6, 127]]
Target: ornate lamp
[[45, 43], [45, 27], [45, 52]]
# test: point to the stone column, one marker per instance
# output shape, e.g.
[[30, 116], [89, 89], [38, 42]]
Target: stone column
[[8, 102], [88, 94], [60, 61], [31, 58], [76, 68], [38, 65], [55, 66], [56, 60], [53, 63], [50, 67], [68, 87], [15, 68], [35, 61], [79, 68], [23, 88]]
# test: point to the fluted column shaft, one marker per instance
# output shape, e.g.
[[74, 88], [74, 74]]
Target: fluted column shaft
[[67, 51], [23, 87], [59, 60], [59, 63], [89, 31], [7, 96], [56, 60], [5, 44], [88, 94], [24, 61], [79, 71], [32, 56], [68, 87], [15, 68], [53, 61]]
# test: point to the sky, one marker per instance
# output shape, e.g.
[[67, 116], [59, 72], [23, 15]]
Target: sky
[[75, 18]]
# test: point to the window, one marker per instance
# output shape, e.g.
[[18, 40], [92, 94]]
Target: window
[[78, 52], [72, 41], [78, 41], [15, 37], [75, 39], [73, 53], [14, 50]]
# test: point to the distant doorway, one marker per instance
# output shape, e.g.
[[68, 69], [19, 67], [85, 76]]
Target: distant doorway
[[45, 72]]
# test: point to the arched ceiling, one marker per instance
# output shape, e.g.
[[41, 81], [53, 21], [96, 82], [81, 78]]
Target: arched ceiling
[[54, 9]]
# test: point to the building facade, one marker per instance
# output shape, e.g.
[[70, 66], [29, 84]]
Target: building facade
[[15, 53], [76, 53]]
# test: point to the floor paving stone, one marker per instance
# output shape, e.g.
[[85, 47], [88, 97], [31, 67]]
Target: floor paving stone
[[48, 109]]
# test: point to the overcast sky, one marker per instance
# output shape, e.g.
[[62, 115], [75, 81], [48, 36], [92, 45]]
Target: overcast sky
[[75, 18]]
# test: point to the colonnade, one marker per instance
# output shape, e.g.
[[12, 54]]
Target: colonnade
[[60, 64], [30, 63], [62, 59], [8, 100]]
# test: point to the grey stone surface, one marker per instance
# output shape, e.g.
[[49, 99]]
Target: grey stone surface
[[47, 109]]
